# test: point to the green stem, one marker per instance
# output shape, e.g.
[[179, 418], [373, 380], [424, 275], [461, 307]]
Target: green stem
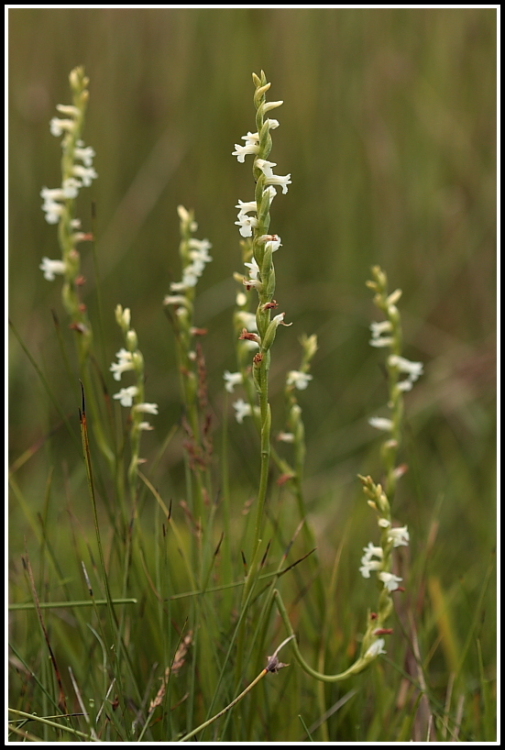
[[358, 666], [265, 459]]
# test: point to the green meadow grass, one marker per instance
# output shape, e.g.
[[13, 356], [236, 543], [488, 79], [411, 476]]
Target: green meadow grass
[[388, 128]]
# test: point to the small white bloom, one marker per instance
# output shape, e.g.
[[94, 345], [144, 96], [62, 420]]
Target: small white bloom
[[85, 154], [241, 300], [125, 363], [371, 550], [389, 580], [413, 369], [178, 286], [399, 536], [246, 206], [58, 127], [283, 182], [145, 426], [51, 267], [147, 408], [272, 124], [232, 379], [251, 138], [86, 174], [274, 244], [376, 648], [298, 379], [246, 224], [271, 178], [286, 437], [203, 246], [383, 341], [52, 194], [242, 410], [378, 328], [254, 270], [199, 250], [369, 565], [251, 146], [405, 385], [384, 523], [71, 187], [193, 272], [381, 423], [378, 333], [272, 241], [126, 395], [242, 151], [174, 299], [53, 211]]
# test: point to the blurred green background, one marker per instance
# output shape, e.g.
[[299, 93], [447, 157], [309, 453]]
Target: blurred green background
[[389, 131]]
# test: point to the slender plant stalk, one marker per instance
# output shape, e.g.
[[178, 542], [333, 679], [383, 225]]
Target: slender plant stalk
[[378, 558], [273, 665], [260, 245]]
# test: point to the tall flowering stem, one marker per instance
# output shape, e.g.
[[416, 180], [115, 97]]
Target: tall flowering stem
[[253, 220], [59, 206], [402, 373], [378, 558], [132, 397], [77, 171], [179, 305], [254, 223]]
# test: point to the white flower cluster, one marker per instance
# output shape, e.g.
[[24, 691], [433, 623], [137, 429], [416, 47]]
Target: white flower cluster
[[272, 242], [412, 369], [195, 255], [379, 333], [199, 256], [52, 267], [373, 559], [380, 330], [298, 379], [82, 171], [252, 141], [130, 360], [243, 409], [383, 336], [245, 222], [81, 174]]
